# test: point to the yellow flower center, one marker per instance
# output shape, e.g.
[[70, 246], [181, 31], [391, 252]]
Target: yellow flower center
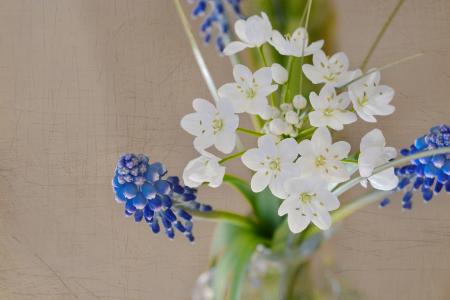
[[306, 198], [320, 161], [274, 165], [217, 125]]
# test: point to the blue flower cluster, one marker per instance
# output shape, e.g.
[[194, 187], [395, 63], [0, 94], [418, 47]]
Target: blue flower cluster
[[216, 16], [149, 196], [429, 174]]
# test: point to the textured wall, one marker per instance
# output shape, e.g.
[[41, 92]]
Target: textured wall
[[83, 81]]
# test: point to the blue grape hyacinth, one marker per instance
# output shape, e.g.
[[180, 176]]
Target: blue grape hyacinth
[[148, 195], [215, 16], [429, 175]]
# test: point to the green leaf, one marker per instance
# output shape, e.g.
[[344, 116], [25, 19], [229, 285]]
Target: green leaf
[[231, 252], [264, 204]]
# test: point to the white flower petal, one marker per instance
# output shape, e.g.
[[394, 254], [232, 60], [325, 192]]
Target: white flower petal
[[263, 76], [242, 75], [253, 159], [298, 222], [373, 138], [225, 141], [385, 180], [204, 106], [234, 47], [340, 150], [311, 72], [260, 180], [279, 74], [321, 138], [322, 219], [266, 143]]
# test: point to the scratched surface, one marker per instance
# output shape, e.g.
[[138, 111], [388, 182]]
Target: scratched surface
[[83, 81]]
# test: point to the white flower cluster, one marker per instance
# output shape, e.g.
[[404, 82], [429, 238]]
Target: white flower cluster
[[295, 156]]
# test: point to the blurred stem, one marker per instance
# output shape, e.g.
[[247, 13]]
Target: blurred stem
[[307, 133], [381, 33], [350, 161], [224, 216], [249, 132], [386, 66], [232, 156], [263, 57], [343, 187], [300, 90], [196, 51], [286, 87]]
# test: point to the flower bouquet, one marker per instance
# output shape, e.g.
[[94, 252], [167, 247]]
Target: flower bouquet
[[299, 168]]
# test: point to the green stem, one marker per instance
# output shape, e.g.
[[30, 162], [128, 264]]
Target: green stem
[[248, 131], [263, 57], [224, 216], [343, 187], [382, 68], [307, 133], [304, 45], [196, 51], [381, 33], [232, 156], [284, 93], [350, 161]]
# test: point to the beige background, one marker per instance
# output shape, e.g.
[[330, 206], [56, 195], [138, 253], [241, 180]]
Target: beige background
[[83, 81]]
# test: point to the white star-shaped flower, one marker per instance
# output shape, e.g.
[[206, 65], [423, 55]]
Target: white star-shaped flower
[[371, 99], [211, 125], [321, 158], [308, 201], [273, 163], [330, 109], [373, 154], [295, 45], [205, 168], [330, 70], [249, 92], [253, 32]]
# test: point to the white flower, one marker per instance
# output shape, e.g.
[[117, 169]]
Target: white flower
[[308, 200], [249, 92], [299, 102], [321, 158], [279, 126], [279, 73], [370, 99], [273, 163], [331, 70], [211, 125], [329, 109], [253, 32], [295, 45], [373, 154], [205, 168]]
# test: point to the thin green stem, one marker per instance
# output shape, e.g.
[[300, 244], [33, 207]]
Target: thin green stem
[[263, 57], [343, 187], [391, 64], [350, 161], [196, 51], [300, 90], [249, 132], [307, 133], [224, 216], [381, 33], [232, 156], [284, 93]]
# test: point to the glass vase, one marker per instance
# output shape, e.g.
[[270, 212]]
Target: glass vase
[[299, 273]]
